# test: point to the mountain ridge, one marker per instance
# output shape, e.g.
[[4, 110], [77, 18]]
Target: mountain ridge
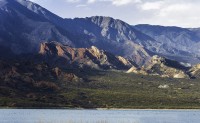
[[30, 24], [163, 67], [22, 30], [176, 43], [65, 56], [77, 32]]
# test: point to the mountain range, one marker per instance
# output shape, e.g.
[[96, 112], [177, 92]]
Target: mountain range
[[25, 25]]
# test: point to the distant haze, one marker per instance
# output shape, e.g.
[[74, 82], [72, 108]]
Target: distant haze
[[183, 13]]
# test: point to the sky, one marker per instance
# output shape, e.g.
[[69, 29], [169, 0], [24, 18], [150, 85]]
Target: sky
[[183, 13]]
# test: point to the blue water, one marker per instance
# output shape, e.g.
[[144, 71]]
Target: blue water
[[98, 116]]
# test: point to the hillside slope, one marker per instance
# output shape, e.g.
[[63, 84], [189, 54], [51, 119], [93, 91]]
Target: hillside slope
[[176, 43], [24, 25], [22, 30]]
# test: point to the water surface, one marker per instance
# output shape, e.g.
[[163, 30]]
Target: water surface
[[98, 116]]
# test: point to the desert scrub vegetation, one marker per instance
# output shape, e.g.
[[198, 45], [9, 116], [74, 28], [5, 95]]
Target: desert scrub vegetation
[[106, 89], [113, 89]]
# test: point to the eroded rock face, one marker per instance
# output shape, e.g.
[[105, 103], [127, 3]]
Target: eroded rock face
[[166, 68], [83, 57], [162, 67], [123, 60], [137, 70], [132, 70], [194, 72]]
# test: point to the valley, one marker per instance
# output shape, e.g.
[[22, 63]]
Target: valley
[[47, 61], [107, 89]]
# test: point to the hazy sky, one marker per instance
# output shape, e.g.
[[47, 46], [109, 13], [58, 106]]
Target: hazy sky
[[184, 13]]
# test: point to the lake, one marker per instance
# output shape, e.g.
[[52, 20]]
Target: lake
[[98, 116]]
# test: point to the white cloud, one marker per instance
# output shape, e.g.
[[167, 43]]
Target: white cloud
[[176, 8], [34, 0], [72, 1], [124, 2], [152, 5], [113, 2], [81, 5], [91, 1]]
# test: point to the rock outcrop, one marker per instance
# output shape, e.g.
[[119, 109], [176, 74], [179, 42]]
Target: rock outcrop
[[136, 70], [194, 72], [166, 68], [55, 52], [162, 67]]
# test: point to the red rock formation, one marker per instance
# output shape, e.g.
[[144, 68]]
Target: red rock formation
[[90, 57]]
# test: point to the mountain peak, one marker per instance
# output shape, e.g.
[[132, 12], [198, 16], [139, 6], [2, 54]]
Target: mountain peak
[[33, 7], [95, 50], [18, 4], [26, 3], [105, 21], [101, 17], [3, 2]]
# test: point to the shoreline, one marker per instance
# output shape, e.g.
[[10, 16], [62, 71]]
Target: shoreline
[[98, 109], [144, 109]]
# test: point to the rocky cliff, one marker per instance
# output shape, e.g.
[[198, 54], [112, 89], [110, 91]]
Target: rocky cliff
[[162, 67], [66, 56]]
